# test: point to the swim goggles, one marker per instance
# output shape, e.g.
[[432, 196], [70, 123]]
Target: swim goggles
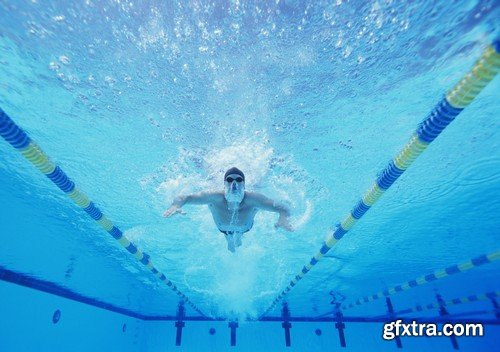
[[237, 179]]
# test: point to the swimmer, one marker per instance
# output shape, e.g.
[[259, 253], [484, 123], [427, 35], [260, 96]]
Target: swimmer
[[233, 209]]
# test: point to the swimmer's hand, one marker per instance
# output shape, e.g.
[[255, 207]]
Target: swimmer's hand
[[284, 223], [174, 209]]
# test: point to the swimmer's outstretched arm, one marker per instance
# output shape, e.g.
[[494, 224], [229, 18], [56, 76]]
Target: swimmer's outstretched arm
[[196, 198], [262, 202]]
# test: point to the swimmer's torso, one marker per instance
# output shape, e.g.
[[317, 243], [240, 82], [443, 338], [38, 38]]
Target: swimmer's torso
[[240, 220]]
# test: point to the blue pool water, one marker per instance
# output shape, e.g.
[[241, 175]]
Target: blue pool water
[[139, 102]]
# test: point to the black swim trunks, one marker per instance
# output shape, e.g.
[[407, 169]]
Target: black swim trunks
[[233, 232]]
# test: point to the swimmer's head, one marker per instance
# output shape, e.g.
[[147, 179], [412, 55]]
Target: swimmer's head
[[234, 185]]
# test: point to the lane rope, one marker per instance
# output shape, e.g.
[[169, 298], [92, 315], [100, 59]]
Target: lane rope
[[422, 280], [460, 96], [462, 300], [20, 140]]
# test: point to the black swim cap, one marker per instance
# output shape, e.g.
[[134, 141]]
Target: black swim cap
[[234, 171]]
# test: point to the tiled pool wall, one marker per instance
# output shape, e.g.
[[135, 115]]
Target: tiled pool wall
[[32, 320]]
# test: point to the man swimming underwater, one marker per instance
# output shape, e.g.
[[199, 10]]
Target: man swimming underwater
[[234, 209]]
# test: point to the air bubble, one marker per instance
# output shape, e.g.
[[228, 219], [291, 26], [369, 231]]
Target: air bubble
[[64, 59]]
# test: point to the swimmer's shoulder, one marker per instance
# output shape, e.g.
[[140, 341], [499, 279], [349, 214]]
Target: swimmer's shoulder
[[253, 198], [214, 197]]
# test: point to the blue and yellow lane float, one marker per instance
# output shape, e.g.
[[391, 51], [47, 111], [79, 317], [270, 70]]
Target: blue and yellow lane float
[[20, 140], [483, 71], [422, 280], [452, 302]]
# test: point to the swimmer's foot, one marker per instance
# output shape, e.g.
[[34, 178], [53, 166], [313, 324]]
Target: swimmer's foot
[[230, 243], [237, 239], [230, 246]]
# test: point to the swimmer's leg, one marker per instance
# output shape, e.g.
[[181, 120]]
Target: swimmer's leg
[[237, 238], [230, 243]]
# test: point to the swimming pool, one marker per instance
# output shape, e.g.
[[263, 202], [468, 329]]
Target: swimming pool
[[137, 103]]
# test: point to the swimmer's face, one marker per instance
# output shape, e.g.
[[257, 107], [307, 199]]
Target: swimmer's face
[[234, 183], [235, 188]]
